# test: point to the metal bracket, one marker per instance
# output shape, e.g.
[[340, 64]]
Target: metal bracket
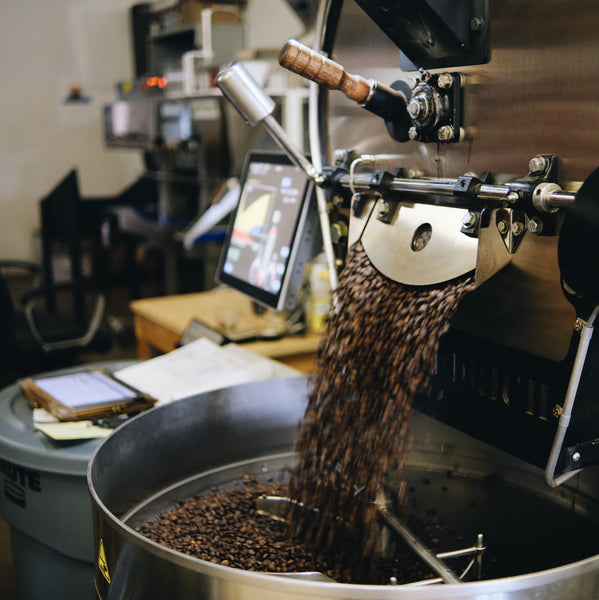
[[511, 225], [584, 454]]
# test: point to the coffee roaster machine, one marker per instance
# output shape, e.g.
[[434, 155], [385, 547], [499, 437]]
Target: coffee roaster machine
[[448, 138]]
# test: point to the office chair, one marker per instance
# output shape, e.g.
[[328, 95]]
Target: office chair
[[35, 338], [52, 323]]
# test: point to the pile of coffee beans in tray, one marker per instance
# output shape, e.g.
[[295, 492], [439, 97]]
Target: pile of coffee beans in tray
[[223, 526]]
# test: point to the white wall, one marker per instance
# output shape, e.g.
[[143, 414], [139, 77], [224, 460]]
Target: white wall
[[45, 47], [270, 23]]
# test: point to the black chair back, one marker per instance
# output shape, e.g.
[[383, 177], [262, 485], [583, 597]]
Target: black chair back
[[60, 215]]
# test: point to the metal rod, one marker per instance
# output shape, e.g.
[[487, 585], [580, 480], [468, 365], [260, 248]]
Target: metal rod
[[476, 550], [561, 199], [316, 152], [437, 565], [447, 188], [277, 507], [586, 333], [493, 192], [292, 151], [479, 558], [361, 182]]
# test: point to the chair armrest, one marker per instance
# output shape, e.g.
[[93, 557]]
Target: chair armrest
[[32, 298], [29, 267]]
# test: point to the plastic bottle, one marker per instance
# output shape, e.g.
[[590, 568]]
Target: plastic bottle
[[319, 303]]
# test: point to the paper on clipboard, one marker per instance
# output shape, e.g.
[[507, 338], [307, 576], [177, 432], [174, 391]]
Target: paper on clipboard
[[198, 367]]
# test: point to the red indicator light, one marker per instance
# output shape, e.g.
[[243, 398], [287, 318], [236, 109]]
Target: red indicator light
[[153, 83]]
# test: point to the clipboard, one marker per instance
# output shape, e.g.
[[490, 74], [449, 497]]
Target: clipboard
[[90, 394]]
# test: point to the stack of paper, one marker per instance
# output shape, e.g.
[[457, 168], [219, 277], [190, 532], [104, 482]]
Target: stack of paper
[[198, 367]]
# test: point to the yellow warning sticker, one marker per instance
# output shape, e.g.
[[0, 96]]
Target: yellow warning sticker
[[102, 564]]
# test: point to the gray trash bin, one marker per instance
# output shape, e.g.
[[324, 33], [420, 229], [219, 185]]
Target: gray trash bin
[[45, 500]]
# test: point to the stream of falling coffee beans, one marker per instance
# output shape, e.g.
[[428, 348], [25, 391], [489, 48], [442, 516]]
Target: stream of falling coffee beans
[[379, 352]]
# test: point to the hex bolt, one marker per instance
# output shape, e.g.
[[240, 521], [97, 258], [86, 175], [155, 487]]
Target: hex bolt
[[517, 228], [445, 133], [445, 81], [537, 164], [384, 209], [469, 220], [535, 226], [477, 24], [340, 155], [557, 411], [415, 108], [338, 231], [503, 227], [413, 134]]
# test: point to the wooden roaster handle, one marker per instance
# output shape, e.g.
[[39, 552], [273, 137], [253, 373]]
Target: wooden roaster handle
[[299, 58]]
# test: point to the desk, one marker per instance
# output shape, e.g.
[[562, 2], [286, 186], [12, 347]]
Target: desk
[[160, 322]]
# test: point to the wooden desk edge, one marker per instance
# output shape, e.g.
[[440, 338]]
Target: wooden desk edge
[[298, 352]]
